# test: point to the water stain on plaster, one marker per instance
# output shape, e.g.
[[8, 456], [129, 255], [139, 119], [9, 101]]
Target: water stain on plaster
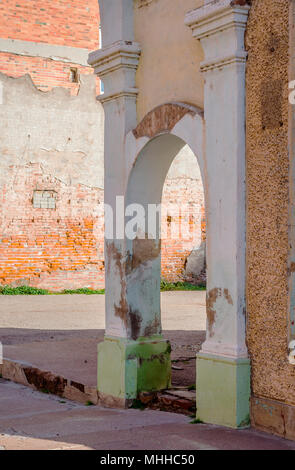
[[143, 250], [228, 296], [153, 327], [211, 299], [135, 323]]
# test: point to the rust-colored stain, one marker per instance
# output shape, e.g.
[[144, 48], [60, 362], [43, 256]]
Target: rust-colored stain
[[162, 119], [211, 313], [228, 296], [143, 250], [211, 299], [113, 254], [135, 319]]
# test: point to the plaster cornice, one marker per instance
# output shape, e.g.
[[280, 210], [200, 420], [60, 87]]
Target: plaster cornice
[[216, 17], [122, 54]]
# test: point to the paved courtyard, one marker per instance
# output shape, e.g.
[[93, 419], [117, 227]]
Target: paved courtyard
[[60, 333], [32, 420]]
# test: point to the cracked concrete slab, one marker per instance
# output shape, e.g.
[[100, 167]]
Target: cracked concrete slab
[[30, 420]]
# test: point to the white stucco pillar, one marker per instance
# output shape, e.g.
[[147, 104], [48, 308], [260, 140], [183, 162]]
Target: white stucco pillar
[[223, 370], [116, 64], [125, 358]]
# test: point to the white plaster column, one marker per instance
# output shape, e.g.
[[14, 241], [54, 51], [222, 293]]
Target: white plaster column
[[127, 363], [220, 27], [116, 64]]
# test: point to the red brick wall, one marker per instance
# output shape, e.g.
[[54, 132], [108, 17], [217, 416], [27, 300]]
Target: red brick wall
[[70, 23], [63, 248], [62, 22], [54, 249], [183, 191], [45, 73]]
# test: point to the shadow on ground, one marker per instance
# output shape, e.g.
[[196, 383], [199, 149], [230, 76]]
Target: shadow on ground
[[72, 353]]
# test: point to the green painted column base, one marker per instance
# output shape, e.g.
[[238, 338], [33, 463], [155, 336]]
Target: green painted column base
[[223, 391], [126, 368]]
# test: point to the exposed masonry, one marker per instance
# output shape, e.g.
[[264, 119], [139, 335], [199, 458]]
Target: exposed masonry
[[72, 29], [46, 73], [72, 23], [162, 119], [56, 242], [52, 141], [27, 374], [44, 199]]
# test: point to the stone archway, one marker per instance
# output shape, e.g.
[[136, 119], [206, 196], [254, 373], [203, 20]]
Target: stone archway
[[134, 357]]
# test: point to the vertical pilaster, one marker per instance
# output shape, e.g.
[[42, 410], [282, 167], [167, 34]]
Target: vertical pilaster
[[223, 370], [127, 362]]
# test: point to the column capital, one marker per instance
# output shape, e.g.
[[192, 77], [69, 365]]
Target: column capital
[[116, 65], [220, 26]]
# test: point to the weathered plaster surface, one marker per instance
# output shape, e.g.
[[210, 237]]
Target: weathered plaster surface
[[50, 142], [267, 42], [62, 133], [169, 67], [40, 49]]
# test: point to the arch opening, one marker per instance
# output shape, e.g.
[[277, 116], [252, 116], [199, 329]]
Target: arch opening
[[167, 221]]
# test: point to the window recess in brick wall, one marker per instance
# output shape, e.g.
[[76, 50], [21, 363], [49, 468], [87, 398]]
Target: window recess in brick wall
[[44, 199], [74, 75]]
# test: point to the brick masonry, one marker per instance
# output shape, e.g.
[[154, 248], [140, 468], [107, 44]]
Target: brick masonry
[[50, 248], [183, 187], [45, 73], [72, 23], [69, 23]]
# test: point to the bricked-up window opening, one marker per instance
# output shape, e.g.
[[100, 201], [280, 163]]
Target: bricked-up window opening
[[74, 75], [44, 199]]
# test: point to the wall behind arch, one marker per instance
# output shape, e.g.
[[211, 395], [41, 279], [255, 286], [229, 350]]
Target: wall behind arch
[[183, 186]]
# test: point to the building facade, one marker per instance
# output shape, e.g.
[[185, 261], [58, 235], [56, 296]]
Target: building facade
[[232, 100], [51, 154]]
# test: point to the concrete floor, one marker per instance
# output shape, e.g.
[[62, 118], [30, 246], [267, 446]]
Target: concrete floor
[[36, 421], [60, 333], [68, 327]]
